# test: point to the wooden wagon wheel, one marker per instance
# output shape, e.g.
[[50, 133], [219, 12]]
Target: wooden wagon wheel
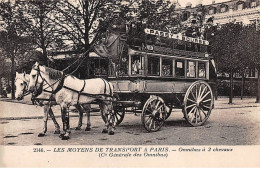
[[198, 103], [119, 113], [153, 114]]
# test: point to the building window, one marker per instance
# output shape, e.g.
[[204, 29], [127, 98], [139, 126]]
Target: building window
[[100, 66], [179, 68], [186, 15], [166, 67], [191, 69], [202, 70], [137, 65], [223, 9], [240, 6], [253, 4], [154, 66], [212, 11]]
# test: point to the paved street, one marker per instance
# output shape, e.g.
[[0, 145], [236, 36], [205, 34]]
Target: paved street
[[236, 124]]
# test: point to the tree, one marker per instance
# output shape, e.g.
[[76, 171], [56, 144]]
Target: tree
[[13, 41], [227, 48], [40, 25], [252, 43]]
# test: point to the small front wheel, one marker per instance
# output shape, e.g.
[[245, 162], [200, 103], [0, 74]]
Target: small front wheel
[[119, 114], [153, 114]]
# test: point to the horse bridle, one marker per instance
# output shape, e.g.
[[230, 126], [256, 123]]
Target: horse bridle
[[25, 92], [39, 90]]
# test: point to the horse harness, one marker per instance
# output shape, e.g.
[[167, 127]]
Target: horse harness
[[61, 85]]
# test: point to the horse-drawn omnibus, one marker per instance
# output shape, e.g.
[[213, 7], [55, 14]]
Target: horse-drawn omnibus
[[158, 72]]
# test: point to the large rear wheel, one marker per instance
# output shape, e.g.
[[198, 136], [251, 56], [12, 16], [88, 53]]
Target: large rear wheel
[[198, 103]]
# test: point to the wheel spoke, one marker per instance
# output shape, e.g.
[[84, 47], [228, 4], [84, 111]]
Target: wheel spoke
[[191, 100], [148, 115], [151, 122], [190, 106], [193, 95], [205, 95], [199, 91], [191, 110], [117, 119], [157, 105], [149, 110], [206, 100], [160, 108], [203, 91], [205, 106], [148, 120], [203, 112], [196, 89]]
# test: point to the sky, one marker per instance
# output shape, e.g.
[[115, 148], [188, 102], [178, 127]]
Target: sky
[[195, 2]]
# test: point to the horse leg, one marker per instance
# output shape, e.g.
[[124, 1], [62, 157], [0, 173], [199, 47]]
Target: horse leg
[[79, 108], [57, 126], [45, 119], [65, 121], [87, 108], [104, 113], [111, 120]]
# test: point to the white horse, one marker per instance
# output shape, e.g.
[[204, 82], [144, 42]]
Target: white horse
[[22, 82], [70, 91]]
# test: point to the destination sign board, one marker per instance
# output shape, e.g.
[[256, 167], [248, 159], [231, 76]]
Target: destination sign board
[[175, 36]]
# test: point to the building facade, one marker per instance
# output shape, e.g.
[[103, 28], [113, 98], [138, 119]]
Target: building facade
[[238, 11], [245, 11]]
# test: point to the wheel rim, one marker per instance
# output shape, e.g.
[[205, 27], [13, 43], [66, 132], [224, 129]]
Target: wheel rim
[[119, 113], [153, 114], [198, 103]]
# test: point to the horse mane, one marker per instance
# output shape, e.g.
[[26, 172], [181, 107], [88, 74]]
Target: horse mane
[[53, 73]]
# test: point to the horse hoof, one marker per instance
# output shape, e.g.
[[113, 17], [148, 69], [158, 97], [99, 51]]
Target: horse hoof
[[41, 134], [65, 138], [77, 128], [111, 133], [87, 129], [104, 131], [61, 135], [57, 132]]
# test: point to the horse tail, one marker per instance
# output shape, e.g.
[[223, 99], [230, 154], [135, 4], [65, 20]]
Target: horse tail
[[111, 89], [108, 87]]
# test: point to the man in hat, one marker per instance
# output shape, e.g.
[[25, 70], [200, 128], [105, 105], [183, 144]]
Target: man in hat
[[117, 24]]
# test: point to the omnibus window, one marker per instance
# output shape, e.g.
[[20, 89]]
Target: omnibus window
[[154, 66], [137, 65], [100, 66], [179, 68], [166, 67], [201, 70], [191, 69], [124, 66]]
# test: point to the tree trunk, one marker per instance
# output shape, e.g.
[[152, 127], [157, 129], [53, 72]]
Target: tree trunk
[[231, 88], [216, 90], [242, 85], [12, 77], [0, 86], [258, 86]]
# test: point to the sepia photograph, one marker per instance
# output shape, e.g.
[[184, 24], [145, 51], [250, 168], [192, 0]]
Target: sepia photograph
[[130, 80]]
